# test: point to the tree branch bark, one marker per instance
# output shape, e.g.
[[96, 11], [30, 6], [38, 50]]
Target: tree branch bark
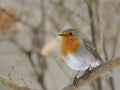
[[94, 73]]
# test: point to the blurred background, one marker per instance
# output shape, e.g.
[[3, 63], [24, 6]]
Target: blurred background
[[29, 46]]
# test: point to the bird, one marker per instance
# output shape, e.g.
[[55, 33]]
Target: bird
[[78, 52]]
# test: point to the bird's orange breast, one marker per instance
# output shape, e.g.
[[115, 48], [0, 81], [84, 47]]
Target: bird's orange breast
[[70, 44]]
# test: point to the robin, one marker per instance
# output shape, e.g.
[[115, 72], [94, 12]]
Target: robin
[[78, 52]]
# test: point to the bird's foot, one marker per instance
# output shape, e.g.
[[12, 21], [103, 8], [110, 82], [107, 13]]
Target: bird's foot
[[87, 72], [75, 81]]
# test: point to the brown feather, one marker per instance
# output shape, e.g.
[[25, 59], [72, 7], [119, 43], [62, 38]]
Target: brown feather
[[92, 49]]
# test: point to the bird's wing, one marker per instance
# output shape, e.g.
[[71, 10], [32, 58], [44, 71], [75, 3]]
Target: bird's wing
[[92, 49]]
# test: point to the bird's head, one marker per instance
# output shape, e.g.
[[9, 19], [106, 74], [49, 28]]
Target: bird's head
[[69, 32], [69, 35], [70, 41]]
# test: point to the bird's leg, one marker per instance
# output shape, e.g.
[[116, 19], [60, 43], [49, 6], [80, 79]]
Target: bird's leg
[[86, 73], [88, 69], [76, 79]]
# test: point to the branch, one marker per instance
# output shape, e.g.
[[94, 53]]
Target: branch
[[115, 42], [11, 84], [89, 4], [94, 73]]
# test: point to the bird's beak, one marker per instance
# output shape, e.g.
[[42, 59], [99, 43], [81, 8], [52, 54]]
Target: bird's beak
[[60, 34]]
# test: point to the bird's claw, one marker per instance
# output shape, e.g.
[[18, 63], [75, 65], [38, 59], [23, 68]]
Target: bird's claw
[[87, 70], [75, 81]]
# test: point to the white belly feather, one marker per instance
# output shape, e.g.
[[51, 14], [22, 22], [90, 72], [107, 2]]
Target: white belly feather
[[81, 59]]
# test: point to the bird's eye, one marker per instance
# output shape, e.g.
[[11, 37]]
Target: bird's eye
[[71, 33]]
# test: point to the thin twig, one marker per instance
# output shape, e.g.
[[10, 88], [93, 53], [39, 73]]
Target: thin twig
[[38, 42], [90, 5], [98, 27], [7, 82], [28, 53], [104, 48], [92, 25], [116, 41], [111, 81]]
